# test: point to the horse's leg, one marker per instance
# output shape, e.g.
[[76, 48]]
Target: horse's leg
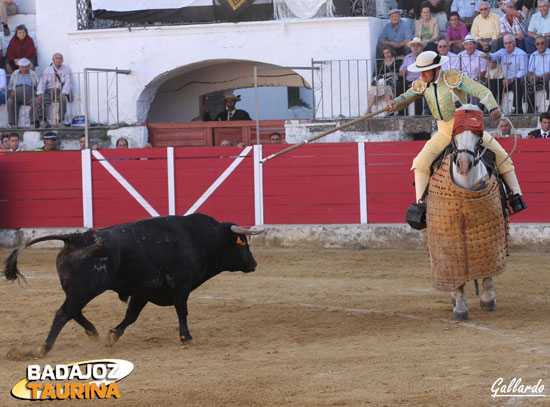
[[487, 298], [460, 311]]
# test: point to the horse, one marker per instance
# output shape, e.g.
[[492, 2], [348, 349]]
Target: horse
[[467, 230]]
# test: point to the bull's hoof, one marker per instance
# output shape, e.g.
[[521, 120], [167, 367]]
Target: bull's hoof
[[460, 316], [186, 339], [488, 306], [93, 335], [41, 352], [112, 338]]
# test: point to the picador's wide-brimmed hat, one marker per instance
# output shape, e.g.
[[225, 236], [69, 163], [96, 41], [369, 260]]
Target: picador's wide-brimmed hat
[[426, 61]]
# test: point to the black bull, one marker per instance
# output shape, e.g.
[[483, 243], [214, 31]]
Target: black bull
[[160, 260]]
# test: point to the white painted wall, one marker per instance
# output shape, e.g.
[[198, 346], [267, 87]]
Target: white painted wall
[[157, 54]]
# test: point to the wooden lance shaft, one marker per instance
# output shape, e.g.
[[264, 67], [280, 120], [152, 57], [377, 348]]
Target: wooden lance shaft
[[343, 126]]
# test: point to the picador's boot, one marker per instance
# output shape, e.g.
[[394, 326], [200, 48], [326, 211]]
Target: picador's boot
[[515, 198], [416, 214]]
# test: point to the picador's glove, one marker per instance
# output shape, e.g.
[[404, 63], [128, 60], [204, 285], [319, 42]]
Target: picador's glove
[[416, 216], [517, 203]]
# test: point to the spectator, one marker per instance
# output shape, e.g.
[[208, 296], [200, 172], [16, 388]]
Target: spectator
[[21, 92], [456, 32], [230, 113], [512, 22], [416, 46], [471, 61], [7, 8], [396, 34], [385, 79], [514, 65], [14, 143], [539, 25], [505, 130], [82, 142], [2, 85], [467, 9], [241, 145], [20, 46], [486, 28], [427, 29], [226, 143], [5, 144], [544, 131], [122, 143], [50, 142], [275, 138], [443, 49], [54, 86], [538, 71]]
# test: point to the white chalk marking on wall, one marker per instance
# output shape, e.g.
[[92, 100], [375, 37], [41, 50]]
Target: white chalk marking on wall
[[125, 184], [219, 181]]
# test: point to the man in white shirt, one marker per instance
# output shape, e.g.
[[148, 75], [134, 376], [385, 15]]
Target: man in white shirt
[[54, 86], [470, 60], [443, 49], [538, 71]]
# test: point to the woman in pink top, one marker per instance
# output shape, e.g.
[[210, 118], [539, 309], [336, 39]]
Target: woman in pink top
[[456, 33]]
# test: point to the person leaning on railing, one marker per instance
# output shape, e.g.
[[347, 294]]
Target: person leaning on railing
[[21, 87], [385, 79]]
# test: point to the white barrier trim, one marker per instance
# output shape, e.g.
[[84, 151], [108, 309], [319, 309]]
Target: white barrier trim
[[87, 194], [219, 181], [125, 184], [171, 180], [258, 186], [362, 182]]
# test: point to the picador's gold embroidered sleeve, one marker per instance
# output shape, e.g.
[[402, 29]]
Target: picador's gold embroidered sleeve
[[453, 78], [419, 86]]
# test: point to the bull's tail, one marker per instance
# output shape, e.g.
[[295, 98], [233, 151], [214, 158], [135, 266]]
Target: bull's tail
[[10, 271]]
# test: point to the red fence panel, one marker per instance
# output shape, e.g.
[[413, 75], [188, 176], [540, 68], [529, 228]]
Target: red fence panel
[[197, 170], [317, 183], [41, 190]]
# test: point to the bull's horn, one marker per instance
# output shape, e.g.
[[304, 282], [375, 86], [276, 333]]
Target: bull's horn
[[243, 231]]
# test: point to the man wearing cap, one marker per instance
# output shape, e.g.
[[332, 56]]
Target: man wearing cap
[[21, 89], [230, 113], [438, 88], [470, 60], [50, 142], [416, 45], [396, 34]]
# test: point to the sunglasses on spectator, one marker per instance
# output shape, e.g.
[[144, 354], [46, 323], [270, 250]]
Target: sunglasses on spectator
[[482, 9], [442, 46], [540, 43]]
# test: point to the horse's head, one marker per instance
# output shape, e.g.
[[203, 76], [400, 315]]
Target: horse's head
[[467, 136]]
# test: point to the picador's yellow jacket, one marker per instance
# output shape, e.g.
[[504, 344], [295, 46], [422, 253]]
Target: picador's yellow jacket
[[439, 97]]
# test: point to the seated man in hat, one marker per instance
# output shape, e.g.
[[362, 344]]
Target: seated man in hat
[[438, 88], [396, 34], [230, 113], [50, 142], [21, 90], [416, 45]]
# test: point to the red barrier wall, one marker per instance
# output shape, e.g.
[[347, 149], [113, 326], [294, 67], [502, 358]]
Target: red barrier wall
[[317, 183]]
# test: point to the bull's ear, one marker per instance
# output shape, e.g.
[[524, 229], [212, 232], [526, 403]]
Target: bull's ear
[[240, 241]]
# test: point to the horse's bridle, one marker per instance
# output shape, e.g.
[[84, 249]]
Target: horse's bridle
[[476, 154]]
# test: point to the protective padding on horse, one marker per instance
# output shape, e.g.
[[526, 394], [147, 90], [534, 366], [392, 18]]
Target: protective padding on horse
[[467, 235]]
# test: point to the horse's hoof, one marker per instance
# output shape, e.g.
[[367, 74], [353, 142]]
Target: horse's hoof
[[488, 306], [112, 338], [460, 316]]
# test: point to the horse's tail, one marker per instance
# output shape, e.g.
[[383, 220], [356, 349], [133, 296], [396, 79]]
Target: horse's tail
[[10, 271]]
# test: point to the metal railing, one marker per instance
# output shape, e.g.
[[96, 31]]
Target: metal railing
[[351, 88], [60, 104]]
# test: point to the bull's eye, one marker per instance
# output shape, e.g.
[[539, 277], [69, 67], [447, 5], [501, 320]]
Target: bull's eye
[[239, 241]]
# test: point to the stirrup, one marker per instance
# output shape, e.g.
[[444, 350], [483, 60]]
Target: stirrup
[[517, 203]]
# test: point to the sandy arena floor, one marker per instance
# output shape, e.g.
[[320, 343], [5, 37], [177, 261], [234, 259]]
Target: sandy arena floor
[[311, 327]]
